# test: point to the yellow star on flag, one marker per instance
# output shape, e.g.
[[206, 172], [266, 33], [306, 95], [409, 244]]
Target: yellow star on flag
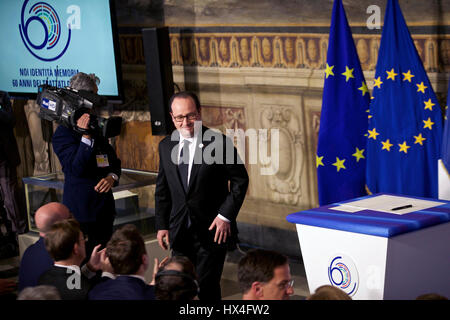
[[421, 87], [339, 164], [363, 88], [403, 147], [407, 76], [428, 124], [348, 73], [373, 134], [429, 104], [391, 74], [319, 161], [377, 82], [329, 71], [358, 154], [419, 139], [386, 145]]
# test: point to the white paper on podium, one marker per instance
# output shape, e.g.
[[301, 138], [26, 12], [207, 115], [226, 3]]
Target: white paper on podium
[[385, 203]]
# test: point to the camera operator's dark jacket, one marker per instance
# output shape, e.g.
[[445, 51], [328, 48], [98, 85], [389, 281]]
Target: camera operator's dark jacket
[[82, 174]]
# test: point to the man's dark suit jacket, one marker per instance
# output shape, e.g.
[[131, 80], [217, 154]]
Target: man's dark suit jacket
[[122, 288], [213, 188], [81, 173], [59, 276], [35, 261]]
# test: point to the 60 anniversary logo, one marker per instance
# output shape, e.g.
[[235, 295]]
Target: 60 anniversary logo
[[343, 274], [42, 32]]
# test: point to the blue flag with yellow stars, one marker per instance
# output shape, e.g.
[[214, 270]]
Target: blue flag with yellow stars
[[340, 158], [405, 127]]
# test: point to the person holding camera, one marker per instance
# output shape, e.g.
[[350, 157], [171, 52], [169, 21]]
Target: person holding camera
[[91, 168]]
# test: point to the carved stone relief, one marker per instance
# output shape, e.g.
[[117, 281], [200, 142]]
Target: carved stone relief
[[40, 147], [284, 184]]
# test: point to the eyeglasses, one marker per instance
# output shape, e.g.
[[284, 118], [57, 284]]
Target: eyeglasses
[[286, 285], [189, 117]]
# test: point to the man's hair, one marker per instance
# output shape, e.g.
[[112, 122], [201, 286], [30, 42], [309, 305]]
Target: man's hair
[[329, 292], [42, 292], [258, 265], [61, 238], [125, 250], [84, 81], [173, 284], [185, 95]]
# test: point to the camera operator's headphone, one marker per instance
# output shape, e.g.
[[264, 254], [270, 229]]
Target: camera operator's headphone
[[178, 274]]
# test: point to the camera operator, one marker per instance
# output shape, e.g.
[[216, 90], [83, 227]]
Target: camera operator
[[91, 168]]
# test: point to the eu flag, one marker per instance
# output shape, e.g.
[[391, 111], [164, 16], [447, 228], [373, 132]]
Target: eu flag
[[405, 127], [341, 154]]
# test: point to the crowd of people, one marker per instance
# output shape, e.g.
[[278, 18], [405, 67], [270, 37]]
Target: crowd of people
[[56, 267], [197, 201]]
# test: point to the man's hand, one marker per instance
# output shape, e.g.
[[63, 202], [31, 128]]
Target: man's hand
[[163, 239], [95, 261], [104, 185], [99, 261], [156, 266], [222, 230], [83, 123]]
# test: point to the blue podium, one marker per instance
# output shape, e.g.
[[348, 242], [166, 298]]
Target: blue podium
[[382, 246]]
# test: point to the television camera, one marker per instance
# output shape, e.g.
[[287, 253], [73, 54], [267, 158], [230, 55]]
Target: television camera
[[66, 105]]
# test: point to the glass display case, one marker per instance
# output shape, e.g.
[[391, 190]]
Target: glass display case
[[134, 197]]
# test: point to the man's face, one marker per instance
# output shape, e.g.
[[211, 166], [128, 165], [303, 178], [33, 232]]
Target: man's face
[[82, 246], [184, 114], [279, 287]]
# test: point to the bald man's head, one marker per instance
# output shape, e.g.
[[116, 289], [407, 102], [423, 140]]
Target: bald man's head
[[50, 213]]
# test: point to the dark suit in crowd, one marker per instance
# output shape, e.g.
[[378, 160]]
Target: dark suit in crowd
[[80, 163], [35, 261], [124, 287], [66, 284], [217, 188], [12, 196]]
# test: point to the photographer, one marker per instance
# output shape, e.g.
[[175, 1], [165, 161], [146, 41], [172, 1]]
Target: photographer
[[91, 168]]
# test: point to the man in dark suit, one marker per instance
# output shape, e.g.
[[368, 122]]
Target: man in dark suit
[[13, 199], [91, 168], [36, 260], [65, 243], [200, 188], [128, 257]]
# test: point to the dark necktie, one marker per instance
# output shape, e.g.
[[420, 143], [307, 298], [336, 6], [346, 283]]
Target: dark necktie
[[183, 165]]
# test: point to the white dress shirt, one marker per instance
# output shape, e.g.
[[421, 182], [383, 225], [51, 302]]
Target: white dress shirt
[[192, 146]]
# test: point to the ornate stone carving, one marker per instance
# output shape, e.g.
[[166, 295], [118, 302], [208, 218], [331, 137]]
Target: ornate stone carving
[[40, 147], [285, 182]]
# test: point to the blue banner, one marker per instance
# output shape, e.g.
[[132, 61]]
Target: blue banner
[[405, 127], [341, 153]]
